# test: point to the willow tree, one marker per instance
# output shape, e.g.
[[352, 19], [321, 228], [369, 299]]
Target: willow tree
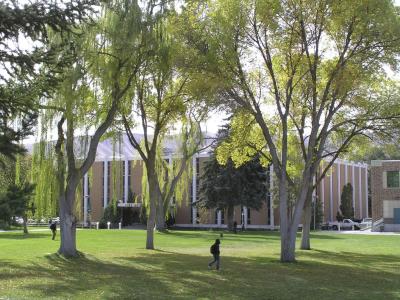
[[165, 94], [312, 68], [107, 59]]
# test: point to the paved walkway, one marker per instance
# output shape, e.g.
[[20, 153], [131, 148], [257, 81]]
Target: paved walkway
[[365, 232]]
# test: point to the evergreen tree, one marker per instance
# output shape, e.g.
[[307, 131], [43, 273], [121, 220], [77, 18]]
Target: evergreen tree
[[224, 186], [26, 74], [346, 202], [15, 202]]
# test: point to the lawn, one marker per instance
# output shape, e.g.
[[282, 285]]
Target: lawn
[[115, 265]]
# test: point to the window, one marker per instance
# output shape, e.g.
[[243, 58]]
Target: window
[[248, 216], [393, 179]]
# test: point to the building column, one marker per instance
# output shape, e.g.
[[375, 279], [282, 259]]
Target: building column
[[126, 172], [194, 189], [170, 175], [219, 218], [366, 191], [338, 187], [105, 183], [331, 194], [271, 198], [359, 192], [85, 197], [354, 190], [322, 186], [245, 216]]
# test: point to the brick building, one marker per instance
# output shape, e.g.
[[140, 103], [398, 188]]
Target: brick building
[[385, 194], [97, 190]]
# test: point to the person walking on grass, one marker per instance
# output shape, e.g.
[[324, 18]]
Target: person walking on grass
[[53, 227], [215, 252]]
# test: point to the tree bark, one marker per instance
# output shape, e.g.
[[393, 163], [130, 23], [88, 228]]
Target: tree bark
[[290, 222], [151, 220], [160, 223], [305, 233], [230, 215], [68, 219], [307, 213], [25, 218], [287, 242], [288, 246]]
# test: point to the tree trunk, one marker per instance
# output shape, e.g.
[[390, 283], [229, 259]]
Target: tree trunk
[[25, 218], [67, 225], [160, 224], [288, 243], [288, 246], [305, 233], [151, 220], [230, 216], [307, 212]]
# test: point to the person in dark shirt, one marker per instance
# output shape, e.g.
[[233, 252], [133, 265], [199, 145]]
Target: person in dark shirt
[[53, 227], [215, 252]]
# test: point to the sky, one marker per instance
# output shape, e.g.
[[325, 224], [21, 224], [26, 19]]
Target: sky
[[217, 119]]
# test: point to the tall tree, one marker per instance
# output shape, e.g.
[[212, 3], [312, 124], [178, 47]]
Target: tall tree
[[225, 186], [15, 202], [108, 56], [313, 69], [346, 202], [29, 72], [165, 95]]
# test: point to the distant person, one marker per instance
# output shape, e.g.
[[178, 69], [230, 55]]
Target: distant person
[[53, 227], [215, 252], [235, 227]]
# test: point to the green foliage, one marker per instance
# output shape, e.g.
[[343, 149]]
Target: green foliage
[[27, 74], [224, 185], [317, 216], [7, 174], [42, 172], [374, 148], [346, 202], [15, 202], [110, 214]]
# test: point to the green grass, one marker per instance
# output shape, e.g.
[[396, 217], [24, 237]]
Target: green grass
[[116, 266]]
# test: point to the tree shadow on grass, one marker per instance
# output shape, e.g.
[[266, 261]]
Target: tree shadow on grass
[[22, 236], [170, 275], [209, 235]]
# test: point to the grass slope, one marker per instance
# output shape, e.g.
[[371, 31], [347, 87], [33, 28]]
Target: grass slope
[[116, 266]]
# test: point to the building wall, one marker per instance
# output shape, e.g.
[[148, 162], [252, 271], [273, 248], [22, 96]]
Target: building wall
[[328, 192], [332, 185], [379, 192], [96, 191]]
